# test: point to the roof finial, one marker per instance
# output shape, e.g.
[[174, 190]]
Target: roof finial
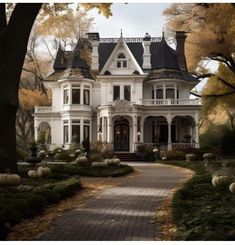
[[121, 32], [163, 32]]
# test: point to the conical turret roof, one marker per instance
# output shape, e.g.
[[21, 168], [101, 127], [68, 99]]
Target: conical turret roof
[[165, 57]]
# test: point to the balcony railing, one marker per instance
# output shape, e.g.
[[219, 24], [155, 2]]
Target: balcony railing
[[44, 109], [162, 102]]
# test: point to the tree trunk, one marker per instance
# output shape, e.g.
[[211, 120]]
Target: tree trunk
[[13, 46]]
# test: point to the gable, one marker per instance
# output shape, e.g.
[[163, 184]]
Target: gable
[[109, 59], [136, 48]]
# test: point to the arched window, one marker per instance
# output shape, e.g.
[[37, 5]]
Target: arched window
[[121, 60]]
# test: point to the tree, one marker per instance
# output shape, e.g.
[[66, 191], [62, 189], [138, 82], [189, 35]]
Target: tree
[[216, 105], [211, 34], [24, 121], [14, 36]]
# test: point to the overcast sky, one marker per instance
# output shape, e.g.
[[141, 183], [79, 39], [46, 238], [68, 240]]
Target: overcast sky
[[135, 19]]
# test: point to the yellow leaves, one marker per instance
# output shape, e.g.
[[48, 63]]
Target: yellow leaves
[[212, 29], [30, 98], [103, 8]]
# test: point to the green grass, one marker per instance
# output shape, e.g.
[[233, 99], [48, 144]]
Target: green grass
[[108, 171], [201, 211]]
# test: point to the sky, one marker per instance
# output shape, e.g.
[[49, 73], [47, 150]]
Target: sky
[[135, 19]]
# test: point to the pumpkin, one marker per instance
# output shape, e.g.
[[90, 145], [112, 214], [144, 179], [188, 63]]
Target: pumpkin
[[42, 154], [209, 156], [46, 171], [34, 174], [115, 162], [221, 180], [191, 157], [82, 161], [10, 179], [232, 187]]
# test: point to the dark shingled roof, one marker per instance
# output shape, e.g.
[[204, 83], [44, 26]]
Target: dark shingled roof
[[59, 63], [163, 60], [136, 48], [165, 57], [170, 74]]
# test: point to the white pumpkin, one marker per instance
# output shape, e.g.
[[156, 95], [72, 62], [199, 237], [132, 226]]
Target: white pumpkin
[[33, 174], [232, 187], [10, 179], [220, 180], [46, 171], [106, 161]]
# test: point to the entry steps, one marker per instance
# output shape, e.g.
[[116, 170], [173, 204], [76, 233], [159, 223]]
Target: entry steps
[[128, 157]]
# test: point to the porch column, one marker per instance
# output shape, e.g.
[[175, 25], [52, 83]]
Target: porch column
[[103, 129], [98, 127], [169, 146], [81, 131], [142, 130], [196, 135], [109, 124], [134, 133], [35, 133]]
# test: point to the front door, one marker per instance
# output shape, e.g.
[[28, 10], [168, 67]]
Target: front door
[[121, 136]]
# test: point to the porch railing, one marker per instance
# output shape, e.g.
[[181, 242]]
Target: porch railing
[[183, 145], [163, 146], [163, 102], [44, 109]]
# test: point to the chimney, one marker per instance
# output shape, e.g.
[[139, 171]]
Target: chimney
[[180, 41], [94, 39], [146, 54]]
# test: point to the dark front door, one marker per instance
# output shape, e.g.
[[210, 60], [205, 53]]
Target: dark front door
[[121, 136]]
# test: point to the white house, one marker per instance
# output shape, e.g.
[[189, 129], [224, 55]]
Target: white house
[[136, 91]]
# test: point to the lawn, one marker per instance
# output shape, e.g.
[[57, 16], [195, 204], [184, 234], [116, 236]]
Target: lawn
[[200, 210]]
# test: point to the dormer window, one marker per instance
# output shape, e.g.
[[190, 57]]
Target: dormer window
[[121, 60]]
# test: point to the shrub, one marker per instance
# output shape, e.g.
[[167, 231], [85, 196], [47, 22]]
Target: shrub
[[95, 157], [227, 141], [99, 164], [97, 146], [107, 151], [62, 156], [173, 155], [192, 157], [146, 151], [57, 149], [82, 161], [68, 187], [42, 154]]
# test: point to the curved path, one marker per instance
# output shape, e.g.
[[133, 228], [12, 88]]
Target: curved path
[[123, 212]]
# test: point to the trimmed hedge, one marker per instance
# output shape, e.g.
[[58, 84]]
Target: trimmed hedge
[[107, 171], [16, 204]]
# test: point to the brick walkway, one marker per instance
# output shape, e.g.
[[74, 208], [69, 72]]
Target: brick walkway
[[123, 212]]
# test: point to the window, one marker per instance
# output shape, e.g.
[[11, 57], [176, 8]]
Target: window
[[159, 94], [127, 93], [116, 93], [66, 132], [76, 131], [75, 94], [170, 93], [66, 95], [86, 97], [121, 60], [86, 129]]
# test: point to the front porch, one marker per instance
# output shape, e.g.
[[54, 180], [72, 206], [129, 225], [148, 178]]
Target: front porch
[[126, 132]]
